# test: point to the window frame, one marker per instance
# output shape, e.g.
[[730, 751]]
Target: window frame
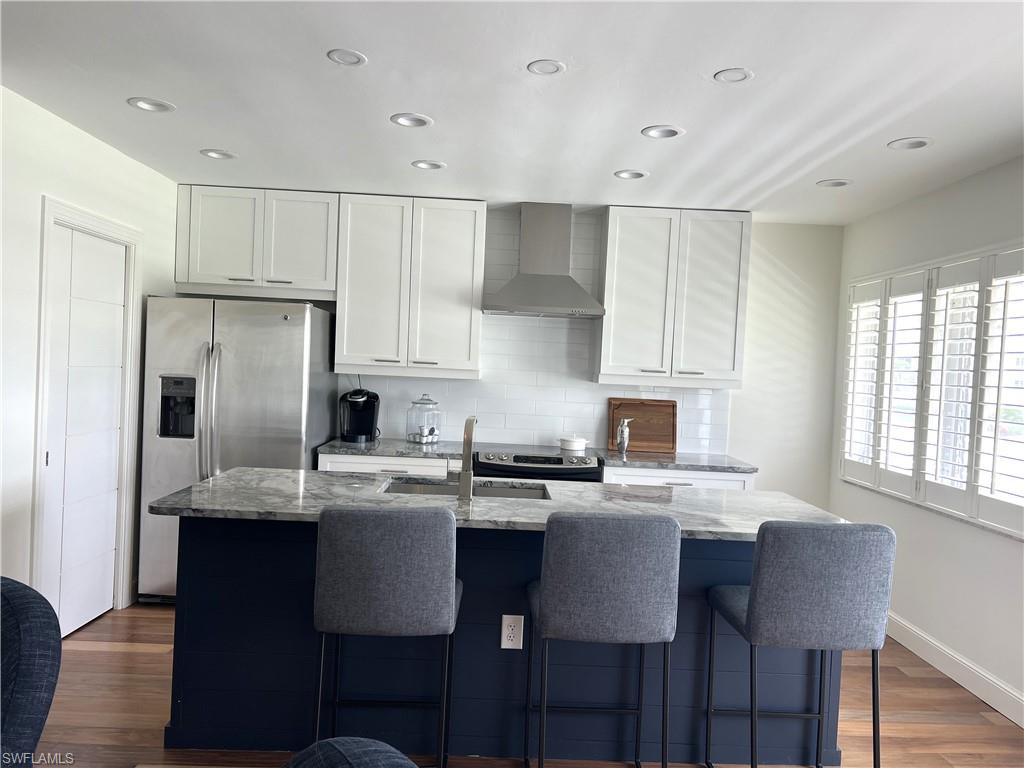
[[966, 504]]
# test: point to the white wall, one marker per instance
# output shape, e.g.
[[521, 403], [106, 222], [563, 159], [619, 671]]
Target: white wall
[[43, 154], [958, 597], [782, 418]]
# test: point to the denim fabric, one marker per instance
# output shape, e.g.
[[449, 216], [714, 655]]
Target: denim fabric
[[350, 752], [30, 650]]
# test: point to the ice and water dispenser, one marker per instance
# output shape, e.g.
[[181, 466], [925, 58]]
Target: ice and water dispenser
[[177, 406]]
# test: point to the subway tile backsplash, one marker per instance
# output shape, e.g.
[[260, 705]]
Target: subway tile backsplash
[[536, 375]]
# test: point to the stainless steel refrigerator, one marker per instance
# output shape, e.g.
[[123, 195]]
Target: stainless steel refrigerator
[[227, 384]]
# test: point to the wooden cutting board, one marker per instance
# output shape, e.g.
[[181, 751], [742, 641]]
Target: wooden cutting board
[[653, 429]]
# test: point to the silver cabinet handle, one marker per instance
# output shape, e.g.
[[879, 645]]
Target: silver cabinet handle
[[653, 370], [424, 362], [682, 485], [213, 456], [385, 360], [394, 471], [692, 373], [285, 282], [202, 458], [243, 279]]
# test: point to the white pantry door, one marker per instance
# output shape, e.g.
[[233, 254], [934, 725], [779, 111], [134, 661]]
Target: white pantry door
[[85, 298]]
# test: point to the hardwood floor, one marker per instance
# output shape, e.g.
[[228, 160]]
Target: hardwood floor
[[113, 699]]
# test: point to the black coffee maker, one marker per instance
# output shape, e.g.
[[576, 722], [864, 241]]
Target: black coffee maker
[[357, 414]]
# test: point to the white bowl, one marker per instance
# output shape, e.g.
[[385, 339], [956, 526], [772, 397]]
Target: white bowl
[[573, 443]]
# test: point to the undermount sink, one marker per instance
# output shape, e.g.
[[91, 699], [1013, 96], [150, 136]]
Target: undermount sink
[[493, 490]]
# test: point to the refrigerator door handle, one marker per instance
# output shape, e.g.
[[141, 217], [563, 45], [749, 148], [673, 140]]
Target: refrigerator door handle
[[213, 457], [202, 456]]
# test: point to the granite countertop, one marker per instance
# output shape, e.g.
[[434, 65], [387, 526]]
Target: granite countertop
[[300, 495], [451, 449]]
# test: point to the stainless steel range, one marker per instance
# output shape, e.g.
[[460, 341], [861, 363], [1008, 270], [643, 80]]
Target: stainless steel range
[[539, 464]]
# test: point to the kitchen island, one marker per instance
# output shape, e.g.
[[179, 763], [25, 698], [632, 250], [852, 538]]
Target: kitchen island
[[246, 656]]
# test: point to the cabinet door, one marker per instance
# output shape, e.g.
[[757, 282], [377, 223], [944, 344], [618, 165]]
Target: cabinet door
[[300, 239], [640, 291], [711, 295], [225, 235], [447, 284], [374, 242]]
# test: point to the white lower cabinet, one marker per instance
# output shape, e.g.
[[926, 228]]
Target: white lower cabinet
[[383, 465], [740, 481]]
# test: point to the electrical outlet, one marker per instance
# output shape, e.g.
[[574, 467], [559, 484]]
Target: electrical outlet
[[512, 632]]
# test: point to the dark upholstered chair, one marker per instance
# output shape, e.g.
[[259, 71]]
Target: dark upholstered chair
[[816, 586], [349, 752], [388, 572], [605, 578], [30, 646]]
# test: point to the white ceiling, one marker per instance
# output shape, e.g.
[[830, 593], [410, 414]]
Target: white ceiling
[[834, 82]]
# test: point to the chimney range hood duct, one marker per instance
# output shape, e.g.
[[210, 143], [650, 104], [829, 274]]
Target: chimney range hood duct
[[543, 287]]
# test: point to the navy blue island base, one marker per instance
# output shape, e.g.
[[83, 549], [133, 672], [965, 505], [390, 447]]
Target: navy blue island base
[[247, 659]]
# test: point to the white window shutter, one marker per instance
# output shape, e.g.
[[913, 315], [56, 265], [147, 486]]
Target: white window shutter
[[862, 382]]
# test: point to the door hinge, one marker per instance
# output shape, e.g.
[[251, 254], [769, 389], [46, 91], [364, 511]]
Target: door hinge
[[47, 459]]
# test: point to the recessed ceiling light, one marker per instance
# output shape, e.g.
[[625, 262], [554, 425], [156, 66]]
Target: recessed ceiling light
[[546, 67], [631, 173], [217, 154], [833, 183], [733, 75], [346, 57], [910, 142], [428, 165], [147, 104], [411, 120], [662, 131]]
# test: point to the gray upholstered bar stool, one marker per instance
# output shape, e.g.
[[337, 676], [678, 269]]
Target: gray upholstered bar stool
[[815, 586], [605, 578], [388, 573]]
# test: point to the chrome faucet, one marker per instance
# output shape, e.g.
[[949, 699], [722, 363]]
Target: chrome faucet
[[466, 476]]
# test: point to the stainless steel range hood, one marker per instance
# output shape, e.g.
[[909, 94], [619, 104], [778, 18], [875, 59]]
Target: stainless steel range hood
[[543, 287]]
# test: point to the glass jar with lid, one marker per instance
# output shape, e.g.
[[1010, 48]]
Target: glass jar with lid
[[423, 421]]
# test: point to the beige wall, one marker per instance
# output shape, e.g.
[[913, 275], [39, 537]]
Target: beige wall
[[43, 154], [958, 597], [782, 418]]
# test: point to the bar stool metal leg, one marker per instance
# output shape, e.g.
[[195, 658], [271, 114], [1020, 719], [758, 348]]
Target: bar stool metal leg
[[821, 709], [336, 687], [753, 706], [442, 719], [665, 679], [528, 714], [639, 707], [446, 704], [876, 736], [710, 690], [543, 701]]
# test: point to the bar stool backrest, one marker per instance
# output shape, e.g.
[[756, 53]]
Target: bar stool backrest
[[385, 572], [821, 585], [610, 578]]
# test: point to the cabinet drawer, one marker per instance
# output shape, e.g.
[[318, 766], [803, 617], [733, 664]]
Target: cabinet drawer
[[384, 465], [679, 478]]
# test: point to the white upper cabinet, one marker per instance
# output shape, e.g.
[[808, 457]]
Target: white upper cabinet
[[409, 288], [225, 243], [711, 295], [259, 242], [675, 297], [447, 284], [639, 295], [300, 239], [374, 269]]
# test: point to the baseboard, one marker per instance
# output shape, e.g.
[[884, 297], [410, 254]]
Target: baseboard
[[997, 693]]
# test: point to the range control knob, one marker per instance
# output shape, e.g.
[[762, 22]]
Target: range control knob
[[585, 460], [504, 457], [489, 457], [573, 460]]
